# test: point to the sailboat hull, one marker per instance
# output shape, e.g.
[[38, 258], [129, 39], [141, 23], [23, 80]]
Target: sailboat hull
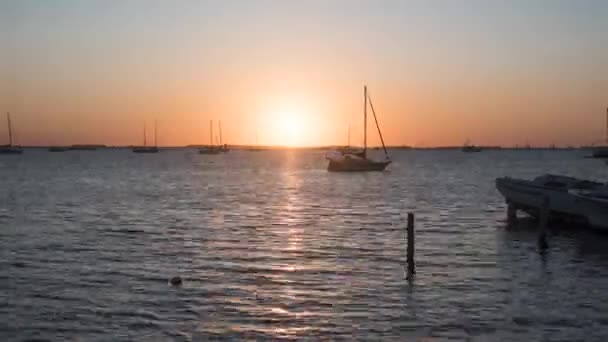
[[356, 165], [145, 150], [209, 150], [10, 150]]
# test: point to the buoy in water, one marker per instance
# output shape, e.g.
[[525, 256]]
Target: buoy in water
[[176, 281]]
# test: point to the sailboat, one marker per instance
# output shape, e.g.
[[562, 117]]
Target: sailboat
[[602, 151], [358, 161], [223, 147], [349, 149], [211, 149], [470, 148], [145, 148], [10, 149]]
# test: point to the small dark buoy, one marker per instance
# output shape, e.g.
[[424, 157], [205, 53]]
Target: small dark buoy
[[176, 281]]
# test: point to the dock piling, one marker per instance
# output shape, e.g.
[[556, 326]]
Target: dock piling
[[411, 268], [543, 221]]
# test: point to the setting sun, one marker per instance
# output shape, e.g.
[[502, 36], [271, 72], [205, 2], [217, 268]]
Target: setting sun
[[291, 127]]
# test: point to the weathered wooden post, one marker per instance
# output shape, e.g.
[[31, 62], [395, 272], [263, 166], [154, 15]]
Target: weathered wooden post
[[411, 267], [543, 221]]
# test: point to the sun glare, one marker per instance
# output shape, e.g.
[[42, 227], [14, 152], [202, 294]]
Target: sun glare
[[290, 127]]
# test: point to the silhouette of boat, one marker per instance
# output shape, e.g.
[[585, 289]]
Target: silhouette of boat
[[340, 161], [145, 148], [210, 149], [10, 149], [470, 148], [86, 147], [222, 147]]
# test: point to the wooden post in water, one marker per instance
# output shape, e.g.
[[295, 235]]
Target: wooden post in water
[[411, 267], [543, 221]]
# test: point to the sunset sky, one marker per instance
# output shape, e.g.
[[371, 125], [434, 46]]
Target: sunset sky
[[439, 72]]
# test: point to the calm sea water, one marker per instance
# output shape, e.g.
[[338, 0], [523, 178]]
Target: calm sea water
[[271, 246]]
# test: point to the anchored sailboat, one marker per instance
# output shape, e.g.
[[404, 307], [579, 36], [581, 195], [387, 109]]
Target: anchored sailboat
[[223, 147], [210, 149], [470, 148], [10, 149], [145, 148], [358, 161]]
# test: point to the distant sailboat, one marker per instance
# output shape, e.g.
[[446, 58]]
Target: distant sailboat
[[10, 149], [602, 151], [348, 149], [359, 162], [223, 147], [210, 149], [470, 148], [145, 148]]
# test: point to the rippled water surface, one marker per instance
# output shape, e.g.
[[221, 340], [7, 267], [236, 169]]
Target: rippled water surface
[[271, 246]]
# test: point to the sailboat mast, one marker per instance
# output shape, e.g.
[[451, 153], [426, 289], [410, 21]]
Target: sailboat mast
[[220, 126], [348, 135], [10, 129], [371, 105], [155, 134], [606, 125], [364, 120], [145, 134], [211, 132]]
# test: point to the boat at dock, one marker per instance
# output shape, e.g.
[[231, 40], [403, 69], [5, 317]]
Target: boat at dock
[[569, 198], [145, 148], [347, 161], [10, 148]]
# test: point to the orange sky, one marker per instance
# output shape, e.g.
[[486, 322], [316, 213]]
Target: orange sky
[[439, 74]]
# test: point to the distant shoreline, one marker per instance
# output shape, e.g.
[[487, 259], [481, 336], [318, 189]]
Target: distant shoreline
[[249, 147]]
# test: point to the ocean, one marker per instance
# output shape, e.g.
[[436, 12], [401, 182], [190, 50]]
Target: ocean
[[271, 246]]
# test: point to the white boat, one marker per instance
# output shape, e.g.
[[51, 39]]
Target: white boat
[[569, 198], [594, 205]]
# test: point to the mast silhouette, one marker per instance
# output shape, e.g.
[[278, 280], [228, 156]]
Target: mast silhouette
[[364, 121], [371, 105], [10, 129]]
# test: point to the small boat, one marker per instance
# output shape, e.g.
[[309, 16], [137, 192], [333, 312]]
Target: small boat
[[10, 149], [145, 148], [86, 147], [594, 206], [210, 149], [342, 161], [570, 198], [470, 148], [58, 149]]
